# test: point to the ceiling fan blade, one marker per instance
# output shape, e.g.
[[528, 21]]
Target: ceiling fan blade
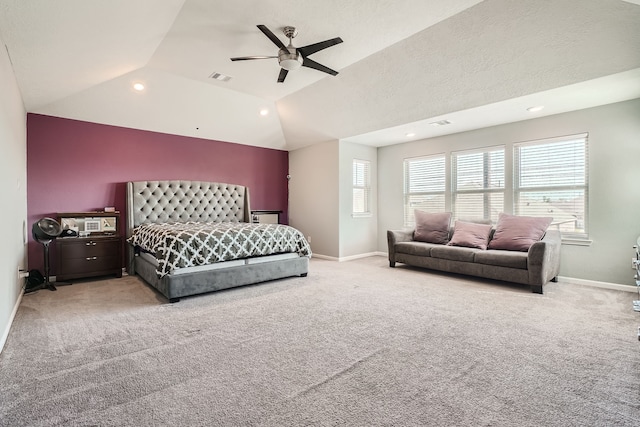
[[282, 75], [313, 48], [313, 64], [267, 32], [246, 58]]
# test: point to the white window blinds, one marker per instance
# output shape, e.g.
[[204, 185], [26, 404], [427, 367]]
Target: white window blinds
[[424, 186], [361, 187], [478, 183], [551, 179]]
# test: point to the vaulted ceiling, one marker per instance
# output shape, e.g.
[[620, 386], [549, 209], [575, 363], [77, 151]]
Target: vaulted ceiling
[[403, 64]]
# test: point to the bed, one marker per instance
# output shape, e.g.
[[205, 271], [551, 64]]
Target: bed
[[186, 238]]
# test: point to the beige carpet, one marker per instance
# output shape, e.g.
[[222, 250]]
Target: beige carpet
[[353, 344]]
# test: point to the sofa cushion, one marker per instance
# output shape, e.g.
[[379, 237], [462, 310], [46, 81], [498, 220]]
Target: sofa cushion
[[509, 259], [432, 227], [518, 233], [414, 248], [471, 235], [454, 253]]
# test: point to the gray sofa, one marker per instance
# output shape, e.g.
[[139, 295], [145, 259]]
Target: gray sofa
[[535, 268]]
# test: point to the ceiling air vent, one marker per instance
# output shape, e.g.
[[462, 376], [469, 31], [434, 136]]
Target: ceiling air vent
[[440, 123], [220, 77]]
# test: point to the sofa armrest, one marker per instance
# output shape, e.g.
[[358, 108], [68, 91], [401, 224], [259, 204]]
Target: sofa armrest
[[396, 236], [543, 260]]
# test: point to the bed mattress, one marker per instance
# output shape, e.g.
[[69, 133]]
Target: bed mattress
[[176, 246]]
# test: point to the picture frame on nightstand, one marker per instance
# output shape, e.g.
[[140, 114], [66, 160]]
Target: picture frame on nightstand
[[92, 225], [109, 224], [69, 224]]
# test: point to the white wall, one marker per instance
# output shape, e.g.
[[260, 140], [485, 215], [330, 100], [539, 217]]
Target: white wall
[[614, 182], [357, 235], [314, 196], [320, 199], [13, 176]]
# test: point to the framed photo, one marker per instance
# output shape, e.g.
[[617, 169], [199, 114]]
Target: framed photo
[[92, 225], [109, 224], [69, 224]]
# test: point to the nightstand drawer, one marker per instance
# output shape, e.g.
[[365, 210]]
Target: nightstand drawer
[[87, 248], [91, 264]]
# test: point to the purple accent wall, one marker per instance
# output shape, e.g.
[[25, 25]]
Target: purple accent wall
[[80, 166]]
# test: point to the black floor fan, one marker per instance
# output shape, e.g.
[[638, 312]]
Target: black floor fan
[[46, 231]]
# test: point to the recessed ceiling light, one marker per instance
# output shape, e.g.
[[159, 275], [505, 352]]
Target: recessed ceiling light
[[264, 112], [410, 134], [440, 123], [138, 86], [535, 109]]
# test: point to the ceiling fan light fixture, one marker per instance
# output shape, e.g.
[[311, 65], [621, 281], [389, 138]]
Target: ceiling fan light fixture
[[289, 61]]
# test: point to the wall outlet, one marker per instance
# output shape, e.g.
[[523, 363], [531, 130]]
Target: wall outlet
[[309, 239], [633, 263]]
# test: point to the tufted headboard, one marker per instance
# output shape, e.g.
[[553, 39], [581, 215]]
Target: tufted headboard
[[182, 201]]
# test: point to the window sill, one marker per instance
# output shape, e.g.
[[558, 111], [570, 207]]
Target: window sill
[[576, 242], [362, 215]]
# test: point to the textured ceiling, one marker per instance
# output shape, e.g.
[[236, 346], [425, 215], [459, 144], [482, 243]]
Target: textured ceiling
[[402, 64]]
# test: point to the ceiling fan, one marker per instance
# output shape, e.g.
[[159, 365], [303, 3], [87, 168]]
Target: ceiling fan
[[291, 57]]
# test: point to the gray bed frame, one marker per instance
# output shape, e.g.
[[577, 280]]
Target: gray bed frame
[[182, 201]]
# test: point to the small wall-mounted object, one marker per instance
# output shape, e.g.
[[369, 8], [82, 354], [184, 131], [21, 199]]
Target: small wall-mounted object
[[109, 209]]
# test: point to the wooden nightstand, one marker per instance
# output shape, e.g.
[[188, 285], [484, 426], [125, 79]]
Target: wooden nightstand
[[87, 257], [97, 254]]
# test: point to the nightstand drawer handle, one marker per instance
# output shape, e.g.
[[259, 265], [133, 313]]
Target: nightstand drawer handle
[[91, 258], [90, 244]]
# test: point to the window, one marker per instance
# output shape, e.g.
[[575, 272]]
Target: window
[[477, 184], [361, 187], [424, 186], [551, 179]]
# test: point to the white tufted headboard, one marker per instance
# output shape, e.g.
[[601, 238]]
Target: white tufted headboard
[[182, 201]]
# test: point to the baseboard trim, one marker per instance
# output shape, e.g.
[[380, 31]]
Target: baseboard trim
[[359, 256], [320, 256], [5, 334], [597, 284], [348, 258]]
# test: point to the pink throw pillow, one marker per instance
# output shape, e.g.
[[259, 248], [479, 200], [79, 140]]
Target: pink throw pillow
[[518, 233], [470, 235], [432, 227]]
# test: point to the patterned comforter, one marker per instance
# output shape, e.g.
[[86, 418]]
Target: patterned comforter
[[179, 245]]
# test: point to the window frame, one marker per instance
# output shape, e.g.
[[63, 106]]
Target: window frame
[[364, 187], [576, 237], [409, 220], [486, 190]]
